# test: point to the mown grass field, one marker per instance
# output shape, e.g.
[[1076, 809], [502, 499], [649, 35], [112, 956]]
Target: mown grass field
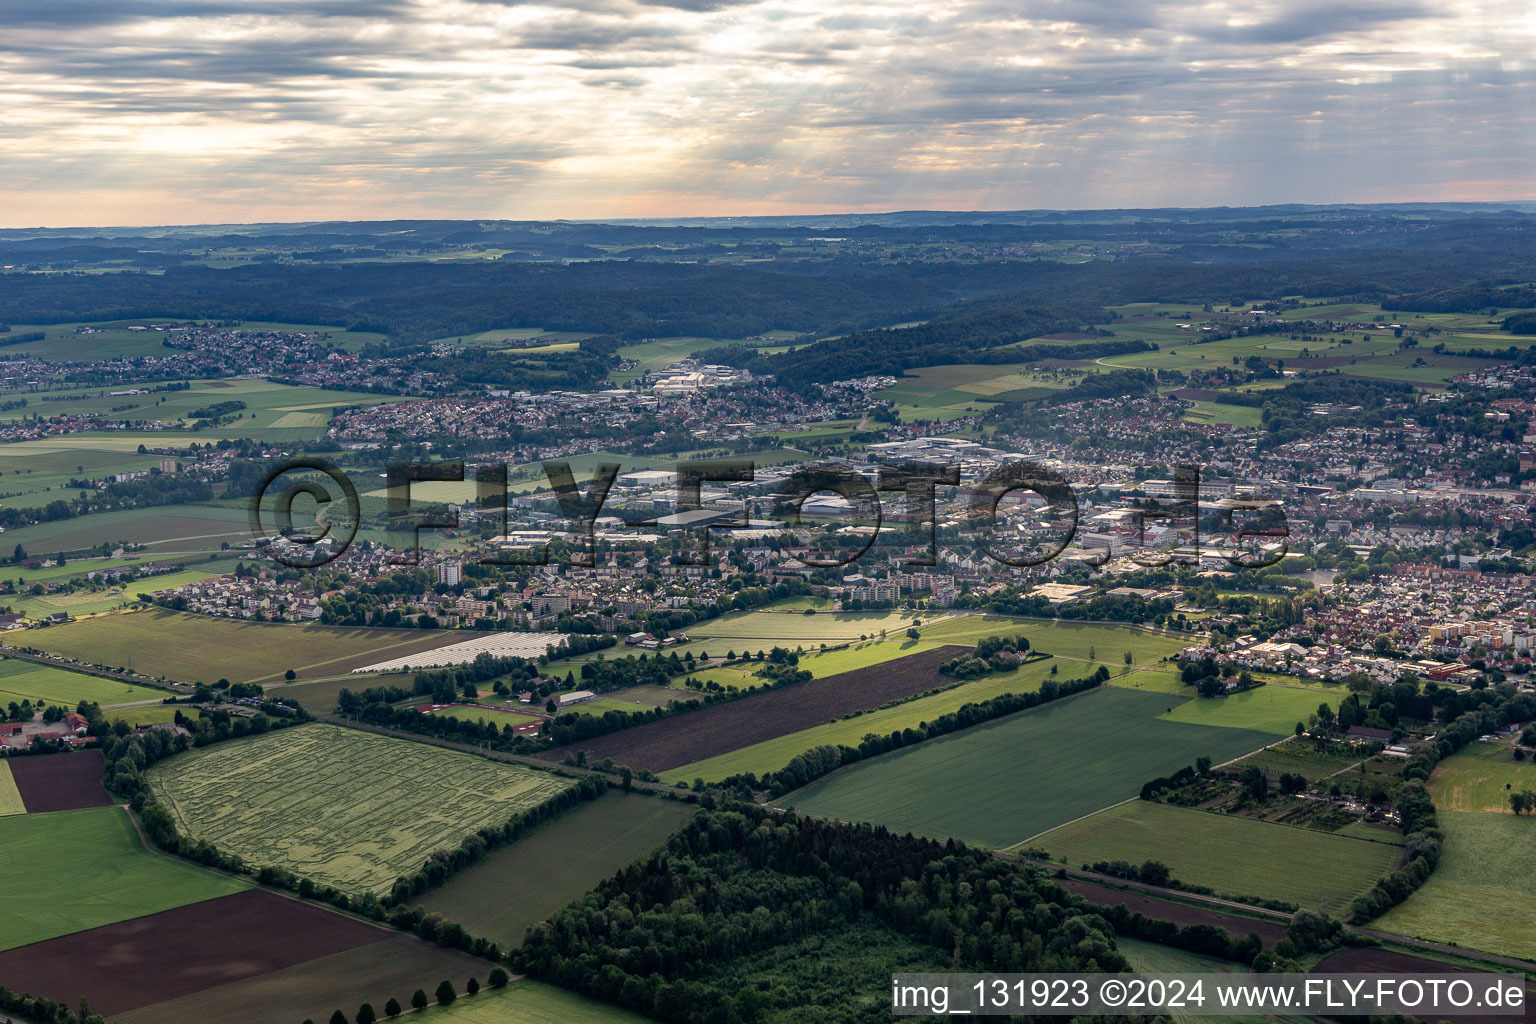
[[1155, 680], [771, 755], [201, 648], [1274, 709], [1234, 855], [1480, 777], [27, 680], [520, 885], [72, 870], [10, 796], [1480, 895], [1000, 783], [1104, 642], [320, 697], [347, 808]]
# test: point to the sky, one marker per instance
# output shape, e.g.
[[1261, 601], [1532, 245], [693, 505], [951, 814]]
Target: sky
[[127, 112]]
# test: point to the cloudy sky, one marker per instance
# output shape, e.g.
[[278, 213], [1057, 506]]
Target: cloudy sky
[[180, 111]]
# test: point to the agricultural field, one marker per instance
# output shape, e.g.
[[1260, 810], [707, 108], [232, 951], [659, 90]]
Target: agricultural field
[[771, 755], [74, 870], [962, 389], [319, 697], [818, 663], [527, 1002], [721, 728], [1233, 855], [1274, 709], [1220, 412], [164, 530], [1046, 767], [103, 599], [1104, 642], [1270, 930], [1480, 778], [10, 796], [1477, 897], [344, 807], [27, 680], [195, 648], [113, 338], [786, 629], [59, 782], [519, 885]]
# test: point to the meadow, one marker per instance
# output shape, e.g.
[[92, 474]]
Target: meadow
[[1274, 709], [519, 885], [346, 808], [1233, 855], [1480, 895], [1480, 777], [1155, 680], [202, 648], [771, 755], [113, 338], [27, 680], [790, 628], [817, 663], [94, 602], [999, 783], [73, 870]]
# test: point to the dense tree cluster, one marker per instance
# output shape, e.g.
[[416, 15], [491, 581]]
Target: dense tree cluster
[[708, 930]]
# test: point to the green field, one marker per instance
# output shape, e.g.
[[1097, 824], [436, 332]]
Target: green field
[[1301, 758], [1105, 642], [771, 755], [346, 808], [522, 884], [1233, 855], [1000, 783], [201, 648], [1274, 709], [1150, 958], [92, 602], [527, 1002], [27, 680], [1220, 412], [10, 796], [164, 530], [73, 870], [1480, 778], [320, 697], [1480, 895], [1155, 680]]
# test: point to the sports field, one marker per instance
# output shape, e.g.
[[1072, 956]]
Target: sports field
[[73, 870], [1481, 894], [520, 885], [771, 755], [1480, 777], [1233, 855], [1274, 709], [344, 807], [1000, 783], [201, 648], [27, 680]]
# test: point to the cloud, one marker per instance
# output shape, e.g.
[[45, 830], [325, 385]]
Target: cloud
[[246, 109]]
